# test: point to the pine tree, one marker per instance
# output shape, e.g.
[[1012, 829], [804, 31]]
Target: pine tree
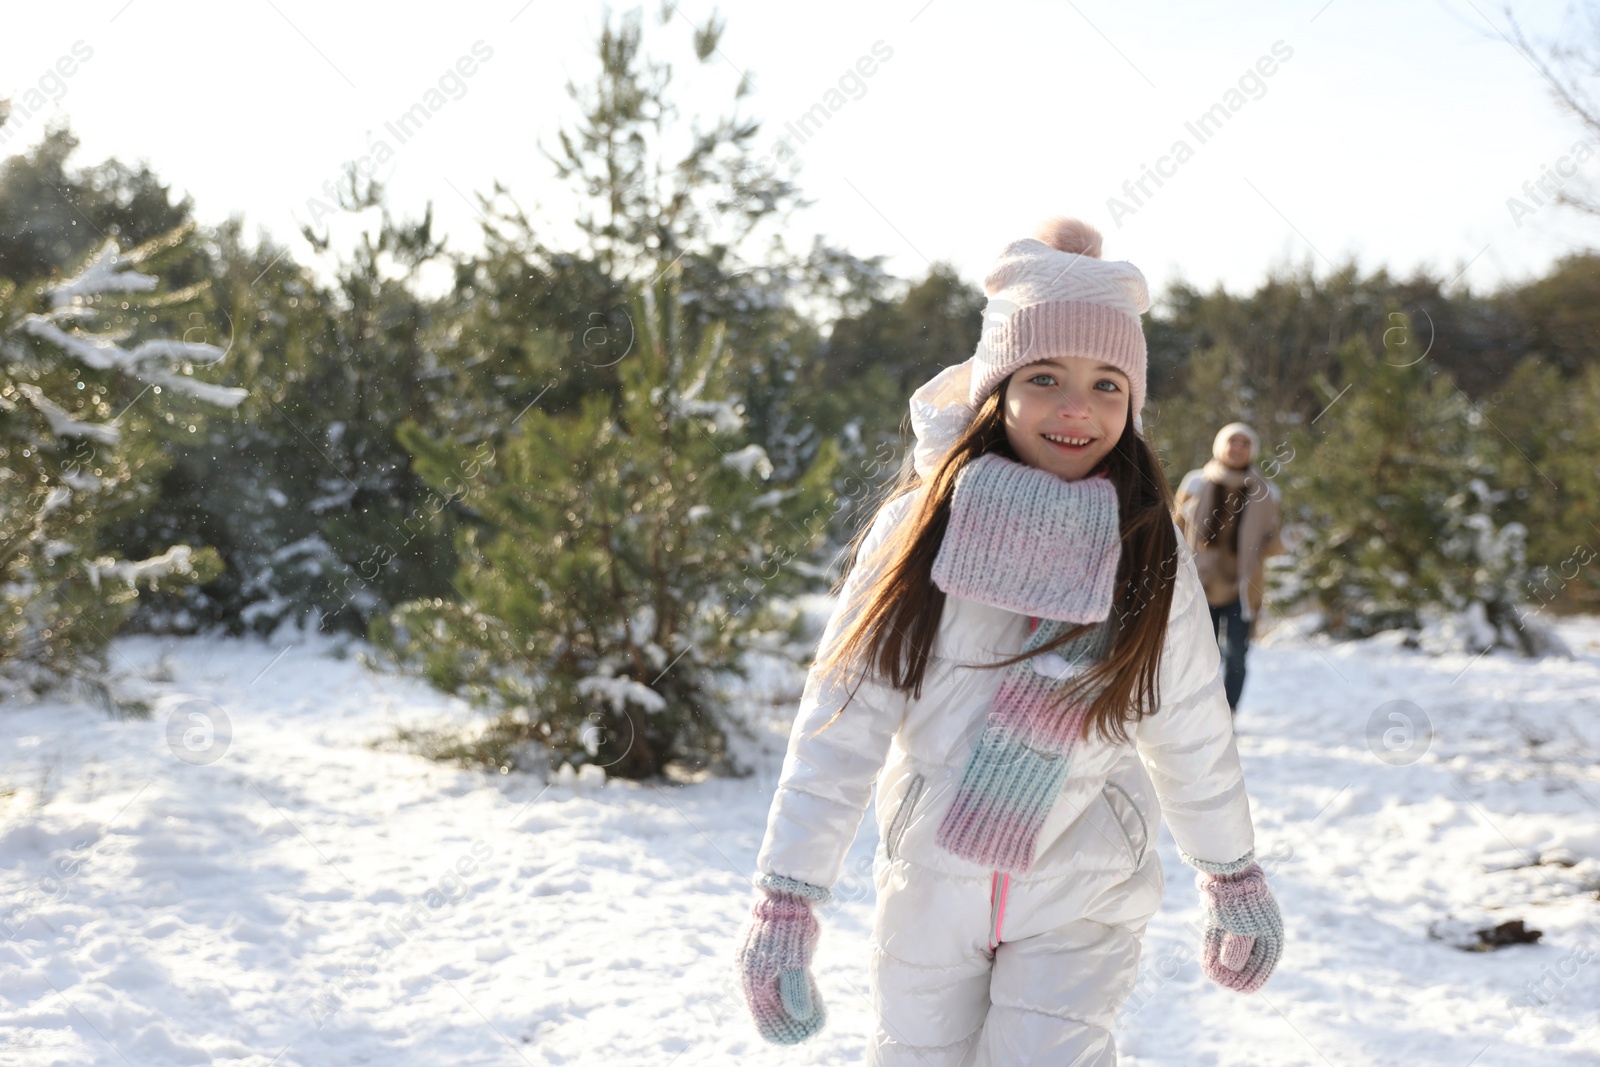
[[875, 358], [306, 492], [627, 558], [1396, 485], [1550, 405], [707, 201], [616, 435], [82, 448]]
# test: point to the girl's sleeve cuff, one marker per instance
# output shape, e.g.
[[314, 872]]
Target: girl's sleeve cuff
[[780, 884], [1209, 867]]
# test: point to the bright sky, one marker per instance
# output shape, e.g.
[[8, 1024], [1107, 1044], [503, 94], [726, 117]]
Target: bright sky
[[1394, 133]]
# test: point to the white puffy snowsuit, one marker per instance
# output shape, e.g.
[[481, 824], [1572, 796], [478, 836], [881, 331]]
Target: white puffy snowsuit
[[979, 968]]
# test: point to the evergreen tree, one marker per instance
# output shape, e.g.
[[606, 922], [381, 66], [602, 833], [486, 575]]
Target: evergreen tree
[[706, 201], [307, 492], [52, 216], [1182, 422], [634, 518], [1557, 317], [1396, 484], [1550, 468], [376, 372], [874, 359], [626, 560], [86, 398], [1257, 356]]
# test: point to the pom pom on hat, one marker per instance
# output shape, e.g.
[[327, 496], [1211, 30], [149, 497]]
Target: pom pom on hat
[[1059, 234], [1070, 235]]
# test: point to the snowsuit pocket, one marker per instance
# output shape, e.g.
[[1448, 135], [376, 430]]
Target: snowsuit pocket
[[1129, 818], [902, 817]]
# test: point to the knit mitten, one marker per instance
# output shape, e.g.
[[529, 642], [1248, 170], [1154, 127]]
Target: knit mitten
[[775, 960], [1020, 762], [1244, 931], [1027, 541]]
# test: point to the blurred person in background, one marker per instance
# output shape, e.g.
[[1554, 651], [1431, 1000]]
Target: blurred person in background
[[1228, 512]]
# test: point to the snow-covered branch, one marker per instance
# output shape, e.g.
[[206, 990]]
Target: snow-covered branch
[[62, 424], [149, 361], [142, 362], [108, 272], [175, 560]]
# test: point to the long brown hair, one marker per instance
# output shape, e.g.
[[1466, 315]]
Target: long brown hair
[[891, 623]]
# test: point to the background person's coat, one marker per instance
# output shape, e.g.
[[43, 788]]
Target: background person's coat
[[1096, 879], [1225, 574]]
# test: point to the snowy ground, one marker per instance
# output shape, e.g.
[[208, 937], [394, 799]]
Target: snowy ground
[[308, 899]]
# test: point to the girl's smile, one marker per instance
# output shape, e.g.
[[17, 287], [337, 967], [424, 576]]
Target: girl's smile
[[1069, 444]]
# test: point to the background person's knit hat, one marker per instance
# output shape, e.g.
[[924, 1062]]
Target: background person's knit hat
[[1219, 444], [1052, 295]]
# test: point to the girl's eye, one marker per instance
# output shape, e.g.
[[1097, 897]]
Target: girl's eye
[[1107, 381], [1048, 378]]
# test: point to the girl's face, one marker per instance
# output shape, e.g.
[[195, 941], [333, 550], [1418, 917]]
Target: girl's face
[[1065, 414]]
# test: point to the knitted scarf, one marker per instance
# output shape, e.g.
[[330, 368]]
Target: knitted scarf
[[1021, 761], [1024, 540]]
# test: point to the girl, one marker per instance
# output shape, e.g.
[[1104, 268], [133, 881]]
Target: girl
[[1022, 661]]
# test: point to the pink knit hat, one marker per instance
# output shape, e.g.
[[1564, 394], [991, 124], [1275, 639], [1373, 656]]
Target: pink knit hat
[[1051, 295]]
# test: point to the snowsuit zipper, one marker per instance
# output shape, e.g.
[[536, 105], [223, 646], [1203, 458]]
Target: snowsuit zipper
[[999, 886]]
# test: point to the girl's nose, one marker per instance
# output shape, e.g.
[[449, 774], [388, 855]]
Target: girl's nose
[[1071, 401]]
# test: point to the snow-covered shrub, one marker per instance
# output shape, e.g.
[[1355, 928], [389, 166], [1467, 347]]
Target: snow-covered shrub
[[624, 561], [1404, 527], [79, 392]]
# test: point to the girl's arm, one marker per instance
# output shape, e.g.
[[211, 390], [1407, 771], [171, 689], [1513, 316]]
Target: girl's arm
[[1188, 746], [827, 776]]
